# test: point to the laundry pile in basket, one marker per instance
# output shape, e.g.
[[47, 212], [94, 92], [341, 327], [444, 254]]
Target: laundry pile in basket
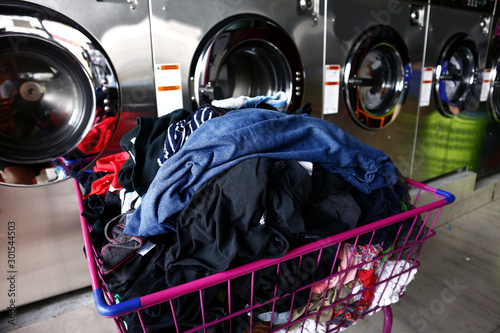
[[193, 194]]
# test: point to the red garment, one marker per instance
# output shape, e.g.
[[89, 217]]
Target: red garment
[[98, 137], [368, 279], [112, 163], [101, 186]]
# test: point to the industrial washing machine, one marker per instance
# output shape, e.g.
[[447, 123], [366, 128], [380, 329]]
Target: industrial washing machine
[[213, 50], [453, 115], [73, 79], [372, 74], [489, 159]]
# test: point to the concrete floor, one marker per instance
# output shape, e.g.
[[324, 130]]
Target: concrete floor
[[455, 290]]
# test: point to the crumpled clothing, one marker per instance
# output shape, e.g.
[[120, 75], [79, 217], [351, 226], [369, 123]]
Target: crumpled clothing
[[222, 223], [118, 246], [375, 206], [145, 143], [347, 316], [278, 101], [342, 207], [98, 136], [390, 291], [178, 133], [129, 200], [345, 277], [367, 253], [408, 236], [101, 186], [248, 133], [317, 303], [98, 211], [309, 326], [112, 164], [279, 318]]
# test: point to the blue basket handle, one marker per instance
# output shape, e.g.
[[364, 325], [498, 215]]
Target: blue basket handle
[[114, 310]]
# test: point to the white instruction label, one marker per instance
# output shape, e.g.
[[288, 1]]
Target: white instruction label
[[168, 84], [485, 87], [146, 248], [426, 87], [332, 88]]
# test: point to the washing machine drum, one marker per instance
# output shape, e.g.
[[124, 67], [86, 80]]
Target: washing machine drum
[[456, 75], [376, 77], [47, 101], [246, 56]]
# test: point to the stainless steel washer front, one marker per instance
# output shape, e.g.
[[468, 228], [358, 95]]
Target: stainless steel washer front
[[228, 48], [372, 71], [453, 115], [73, 79]]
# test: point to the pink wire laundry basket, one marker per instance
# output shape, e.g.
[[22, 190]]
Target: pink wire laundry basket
[[359, 279]]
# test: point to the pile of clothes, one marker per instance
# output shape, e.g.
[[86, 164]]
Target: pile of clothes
[[193, 194]]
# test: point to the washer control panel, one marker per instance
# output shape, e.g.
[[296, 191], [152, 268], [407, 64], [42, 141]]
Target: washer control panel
[[484, 6]]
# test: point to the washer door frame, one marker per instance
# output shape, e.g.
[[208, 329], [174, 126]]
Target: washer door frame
[[264, 45], [494, 90], [382, 42], [465, 48]]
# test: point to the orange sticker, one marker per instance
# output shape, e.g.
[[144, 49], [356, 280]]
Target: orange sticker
[[169, 88]]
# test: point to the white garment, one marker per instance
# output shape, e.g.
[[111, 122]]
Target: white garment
[[388, 293], [279, 101], [129, 200], [310, 327]]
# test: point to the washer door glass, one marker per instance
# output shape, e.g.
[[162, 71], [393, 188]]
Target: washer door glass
[[456, 76], [246, 56], [58, 97], [41, 103], [376, 78]]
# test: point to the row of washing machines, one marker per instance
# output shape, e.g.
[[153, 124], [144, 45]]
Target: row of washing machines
[[416, 79]]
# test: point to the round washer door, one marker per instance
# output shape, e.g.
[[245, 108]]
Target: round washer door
[[55, 88], [376, 77], [494, 92], [456, 75], [246, 55]]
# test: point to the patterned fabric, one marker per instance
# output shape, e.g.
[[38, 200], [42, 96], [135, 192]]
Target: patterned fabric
[[348, 315], [367, 253], [178, 133]]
